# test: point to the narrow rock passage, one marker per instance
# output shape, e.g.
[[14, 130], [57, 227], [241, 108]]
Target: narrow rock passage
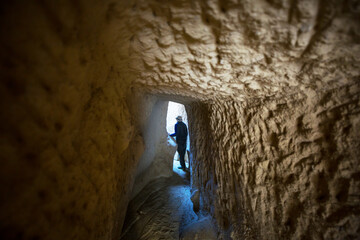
[[161, 210]]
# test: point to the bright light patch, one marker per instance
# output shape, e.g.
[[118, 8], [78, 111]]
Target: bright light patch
[[174, 110]]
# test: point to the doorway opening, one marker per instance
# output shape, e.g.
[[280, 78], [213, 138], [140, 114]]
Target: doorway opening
[[177, 109]]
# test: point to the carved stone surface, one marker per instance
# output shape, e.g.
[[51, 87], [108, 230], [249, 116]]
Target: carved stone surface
[[271, 88]]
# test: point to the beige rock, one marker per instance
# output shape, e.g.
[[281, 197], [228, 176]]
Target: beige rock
[[272, 94]]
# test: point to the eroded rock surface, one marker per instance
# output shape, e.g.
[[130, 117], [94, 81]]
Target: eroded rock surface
[[287, 169], [271, 88], [243, 49], [200, 230], [157, 158], [160, 211]]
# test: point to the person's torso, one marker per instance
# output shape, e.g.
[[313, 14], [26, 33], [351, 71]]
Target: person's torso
[[181, 131]]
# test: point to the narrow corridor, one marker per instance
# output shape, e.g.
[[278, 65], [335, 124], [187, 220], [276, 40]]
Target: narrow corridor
[[269, 91]]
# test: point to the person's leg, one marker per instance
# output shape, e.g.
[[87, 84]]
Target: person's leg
[[181, 151]]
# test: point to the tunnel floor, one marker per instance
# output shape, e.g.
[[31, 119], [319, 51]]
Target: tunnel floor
[[163, 210]]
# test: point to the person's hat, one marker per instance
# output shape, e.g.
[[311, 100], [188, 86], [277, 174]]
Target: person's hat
[[179, 118]]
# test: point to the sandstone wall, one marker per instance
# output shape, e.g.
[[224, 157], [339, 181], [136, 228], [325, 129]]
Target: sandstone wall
[[70, 140], [149, 113], [288, 166], [68, 146]]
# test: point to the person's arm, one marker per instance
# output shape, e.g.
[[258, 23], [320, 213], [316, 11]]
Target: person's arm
[[174, 134]]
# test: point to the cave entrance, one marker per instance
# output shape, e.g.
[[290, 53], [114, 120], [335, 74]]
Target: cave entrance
[[177, 109]]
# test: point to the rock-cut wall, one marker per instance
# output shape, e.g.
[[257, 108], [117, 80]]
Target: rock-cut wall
[[69, 147], [280, 169], [149, 113], [271, 90]]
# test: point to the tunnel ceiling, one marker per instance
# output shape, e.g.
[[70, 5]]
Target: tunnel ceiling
[[239, 49]]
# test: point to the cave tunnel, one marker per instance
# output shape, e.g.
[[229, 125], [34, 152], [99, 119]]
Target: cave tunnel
[[271, 89]]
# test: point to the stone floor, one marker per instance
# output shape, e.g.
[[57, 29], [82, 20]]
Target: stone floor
[[163, 210]]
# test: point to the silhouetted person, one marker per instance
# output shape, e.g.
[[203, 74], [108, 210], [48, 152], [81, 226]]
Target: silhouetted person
[[181, 133]]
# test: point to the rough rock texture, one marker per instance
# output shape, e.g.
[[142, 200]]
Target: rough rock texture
[[200, 230], [161, 210], [157, 158], [284, 169], [68, 146], [244, 49], [195, 199], [272, 94]]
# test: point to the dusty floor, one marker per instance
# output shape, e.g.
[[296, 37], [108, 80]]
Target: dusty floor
[[163, 210]]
